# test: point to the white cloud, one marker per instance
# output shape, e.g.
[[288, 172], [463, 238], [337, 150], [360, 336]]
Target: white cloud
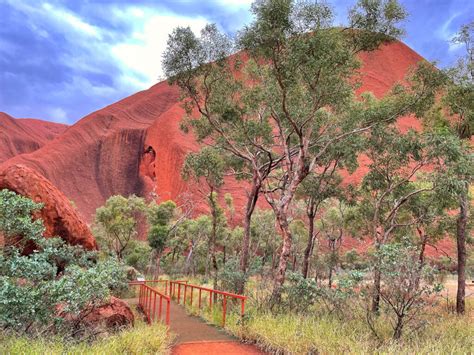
[[57, 114], [72, 20], [142, 52], [236, 3]]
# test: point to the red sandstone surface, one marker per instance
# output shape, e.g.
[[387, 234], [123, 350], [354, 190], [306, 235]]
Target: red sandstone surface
[[25, 135], [59, 216], [113, 315], [135, 146]]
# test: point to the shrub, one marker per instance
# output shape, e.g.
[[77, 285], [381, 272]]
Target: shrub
[[407, 286], [299, 293], [139, 256], [56, 276], [231, 277]]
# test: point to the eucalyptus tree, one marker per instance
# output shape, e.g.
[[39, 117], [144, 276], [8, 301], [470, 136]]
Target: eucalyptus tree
[[459, 99], [304, 72], [285, 106], [159, 218], [117, 222], [314, 190], [221, 111], [206, 168], [390, 189]]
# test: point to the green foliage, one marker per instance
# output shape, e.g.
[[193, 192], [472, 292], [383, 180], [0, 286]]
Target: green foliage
[[117, 222], [380, 18], [31, 291], [157, 237], [407, 286], [15, 216], [161, 214], [300, 293], [230, 276], [159, 218], [206, 164], [30, 287], [138, 255]]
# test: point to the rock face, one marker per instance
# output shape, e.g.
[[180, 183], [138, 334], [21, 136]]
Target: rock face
[[59, 216], [135, 146], [101, 154], [19, 136], [114, 314]]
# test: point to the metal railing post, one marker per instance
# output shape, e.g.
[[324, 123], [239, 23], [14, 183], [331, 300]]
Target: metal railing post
[[224, 308]]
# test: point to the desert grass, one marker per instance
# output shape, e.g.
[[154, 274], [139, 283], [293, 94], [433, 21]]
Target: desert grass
[[141, 339]]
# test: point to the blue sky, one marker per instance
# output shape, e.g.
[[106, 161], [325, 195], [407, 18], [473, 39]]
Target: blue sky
[[60, 60]]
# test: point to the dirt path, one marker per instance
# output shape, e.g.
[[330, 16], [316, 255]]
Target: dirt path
[[194, 336], [215, 348]]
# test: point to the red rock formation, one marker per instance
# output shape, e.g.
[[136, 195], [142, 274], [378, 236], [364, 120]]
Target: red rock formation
[[18, 136], [135, 146], [113, 315], [100, 155], [59, 216]]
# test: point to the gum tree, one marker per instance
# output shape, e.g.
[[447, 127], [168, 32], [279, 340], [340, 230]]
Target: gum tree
[[459, 99], [314, 190], [160, 218], [207, 169], [221, 111], [118, 222], [305, 71]]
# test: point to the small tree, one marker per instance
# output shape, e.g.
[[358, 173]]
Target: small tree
[[159, 219], [389, 187], [459, 99], [407, 285], [206, 168], [117, 221], [314, 190]]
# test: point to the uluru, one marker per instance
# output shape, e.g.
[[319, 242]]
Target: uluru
[[135, 146]]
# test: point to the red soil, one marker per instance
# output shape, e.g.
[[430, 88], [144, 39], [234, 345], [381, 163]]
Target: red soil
[[18, 136], [215, 348]]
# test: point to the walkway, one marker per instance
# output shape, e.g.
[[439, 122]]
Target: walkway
[[194, 336]]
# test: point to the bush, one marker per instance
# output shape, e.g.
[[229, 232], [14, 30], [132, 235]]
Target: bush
[[139, 256], [231, 277], [299, 293], [55, 278], [407, 286]]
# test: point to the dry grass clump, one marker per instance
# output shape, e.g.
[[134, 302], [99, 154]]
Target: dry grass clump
[[142, 339], [445, 333]]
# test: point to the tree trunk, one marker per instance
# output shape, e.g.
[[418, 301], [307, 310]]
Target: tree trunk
[[213, 205], [376, 291], [397, 334], [424, 241], [309, 246], [330, 277], [251, 203], [284, 257], [462, 253]]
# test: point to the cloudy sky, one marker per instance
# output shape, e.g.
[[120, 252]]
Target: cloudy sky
[[62, 59]]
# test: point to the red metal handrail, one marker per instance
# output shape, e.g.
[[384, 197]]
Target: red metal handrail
[[147, 299], [212, 292]]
